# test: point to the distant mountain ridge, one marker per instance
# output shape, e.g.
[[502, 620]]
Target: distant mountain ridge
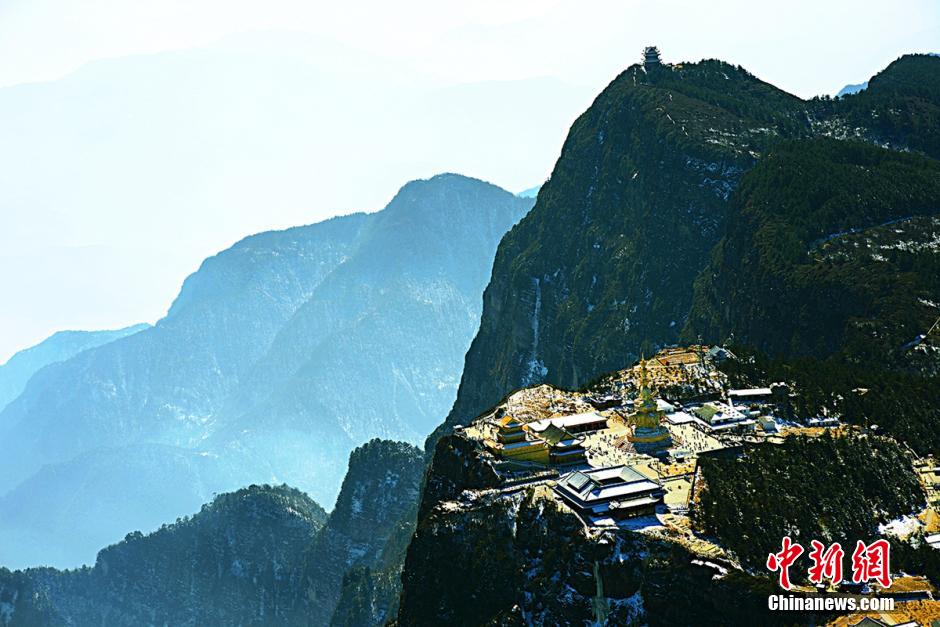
[[177, 372], [852, 89], [231, 138], [277, 358], [262, 555], [62, 345]]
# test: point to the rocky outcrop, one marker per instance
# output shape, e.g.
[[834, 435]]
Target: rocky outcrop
[[380, 490], [456, 465]]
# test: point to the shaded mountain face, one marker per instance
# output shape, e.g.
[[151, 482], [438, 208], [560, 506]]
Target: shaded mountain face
[[278, 357], [234, 562], [634, 204], [18, 370], [260, 556], [900, 108], [832, 249], [603, 266]]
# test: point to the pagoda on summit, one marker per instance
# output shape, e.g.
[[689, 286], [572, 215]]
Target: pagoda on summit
[[651, 56], [650, 436]]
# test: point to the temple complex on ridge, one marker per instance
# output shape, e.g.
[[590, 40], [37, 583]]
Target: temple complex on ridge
[[617, 450]]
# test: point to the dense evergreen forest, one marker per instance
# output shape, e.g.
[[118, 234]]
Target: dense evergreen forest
[[833, 489], [819, 258]]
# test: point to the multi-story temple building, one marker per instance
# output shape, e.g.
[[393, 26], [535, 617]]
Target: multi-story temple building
[[651, 56], [550, 444], [616, 492]]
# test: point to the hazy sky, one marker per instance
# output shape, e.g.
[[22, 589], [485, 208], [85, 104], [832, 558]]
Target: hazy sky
[[803, 46], [110, 194]]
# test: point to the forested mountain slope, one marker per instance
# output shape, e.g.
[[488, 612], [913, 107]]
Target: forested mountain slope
[[603, 266], [234, 562], [263, 555], [831, 248]]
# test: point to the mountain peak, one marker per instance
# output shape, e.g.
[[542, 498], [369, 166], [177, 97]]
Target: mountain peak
[[445, 182], [402, 464], [912, 75]]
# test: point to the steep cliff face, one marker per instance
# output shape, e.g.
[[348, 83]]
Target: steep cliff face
[[22, 604], [380, 490], [371, 589], [603, 266], [654, 184]]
